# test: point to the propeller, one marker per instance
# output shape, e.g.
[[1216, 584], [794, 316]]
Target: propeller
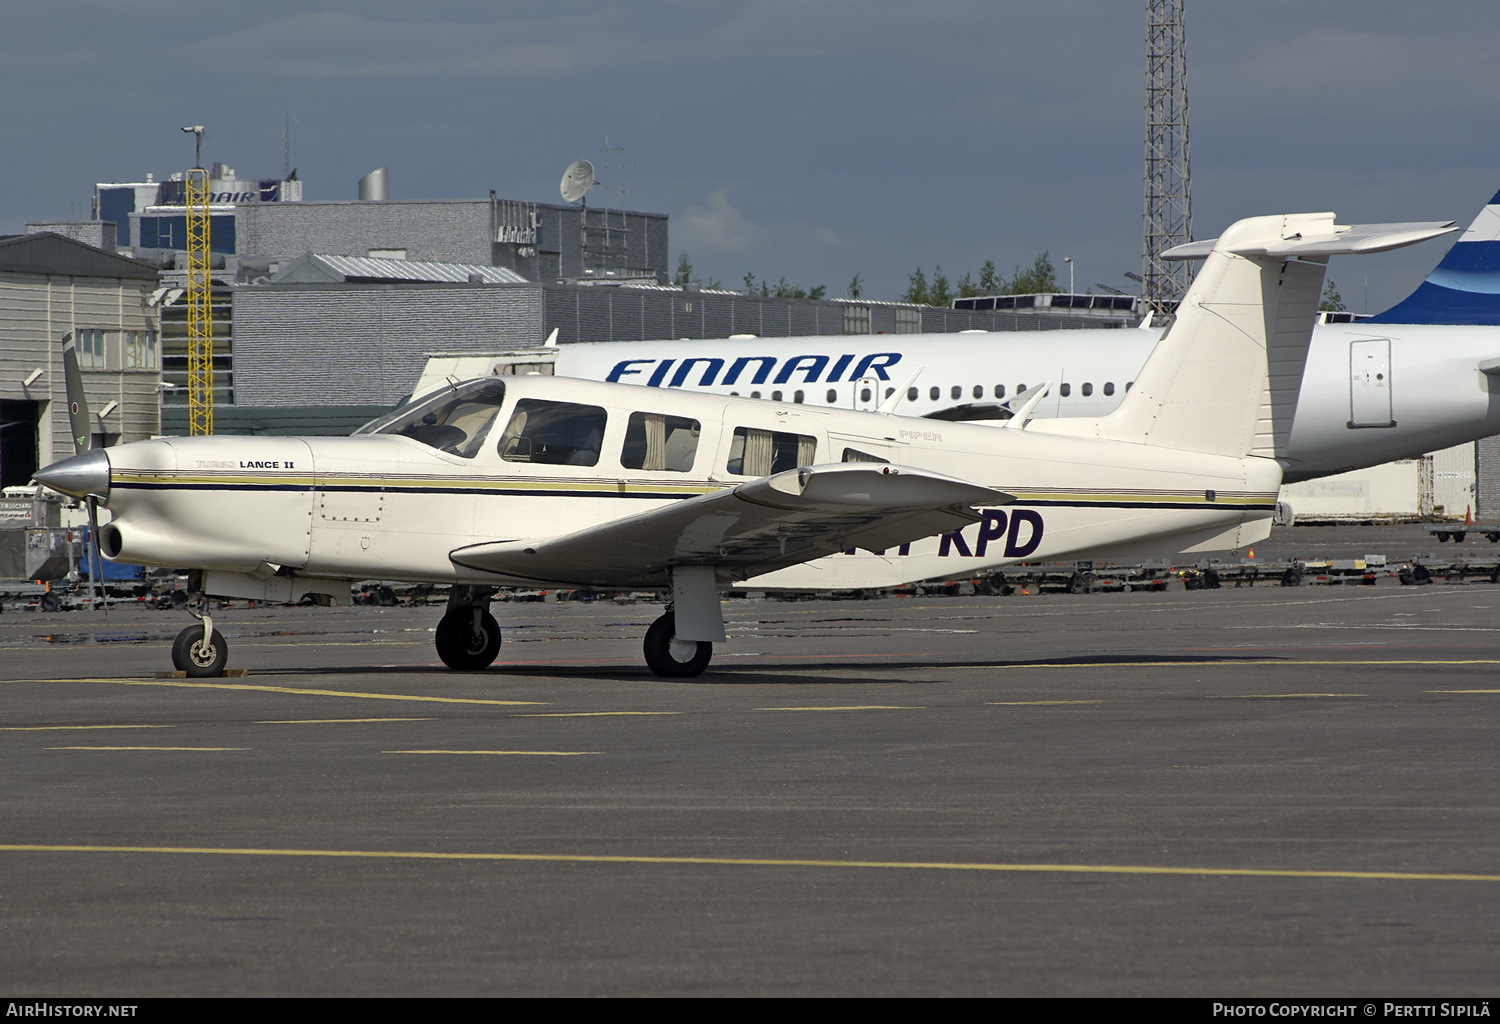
[[83, 437]]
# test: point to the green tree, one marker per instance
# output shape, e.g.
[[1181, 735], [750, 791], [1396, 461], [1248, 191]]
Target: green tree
[[989, 282], [1039, 277], [856, 288], [939, 293], [916, 288], [684, 271], [1332, 302]]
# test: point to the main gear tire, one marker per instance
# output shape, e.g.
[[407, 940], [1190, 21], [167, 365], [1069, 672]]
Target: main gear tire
[[462, 647], [672, 658]]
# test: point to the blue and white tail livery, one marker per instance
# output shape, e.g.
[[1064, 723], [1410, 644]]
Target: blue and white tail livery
[[1465, 287]]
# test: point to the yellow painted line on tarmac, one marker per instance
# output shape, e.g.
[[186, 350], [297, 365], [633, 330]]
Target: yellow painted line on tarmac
[[852, 707], [148, 748], [517, 753], [1118, 663], [1463, 691], [337, 721], [1274, 696], [772, 862], [1020, 703], [51, 728], [589, 714], [299, 692]]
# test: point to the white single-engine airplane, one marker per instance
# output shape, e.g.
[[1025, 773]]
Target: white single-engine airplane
[[545, 480]]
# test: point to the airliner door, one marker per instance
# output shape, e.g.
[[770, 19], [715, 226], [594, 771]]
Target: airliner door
[[867, 394], [1370, 383]]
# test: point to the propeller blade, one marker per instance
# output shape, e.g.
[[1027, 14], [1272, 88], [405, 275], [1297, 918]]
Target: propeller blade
[[96, 555], [78, 406]]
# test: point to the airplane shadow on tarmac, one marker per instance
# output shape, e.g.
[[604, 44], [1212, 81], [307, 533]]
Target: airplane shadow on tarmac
[[794, 673]]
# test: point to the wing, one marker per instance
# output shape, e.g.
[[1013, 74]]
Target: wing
[[743, 531]]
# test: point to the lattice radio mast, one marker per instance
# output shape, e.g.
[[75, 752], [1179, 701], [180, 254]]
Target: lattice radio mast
[[200, 305], [1169, 193]]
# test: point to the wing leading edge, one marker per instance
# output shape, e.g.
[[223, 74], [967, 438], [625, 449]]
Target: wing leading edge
[[743, 531]]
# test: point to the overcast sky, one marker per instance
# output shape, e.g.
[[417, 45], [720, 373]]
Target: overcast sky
[[813, 139]]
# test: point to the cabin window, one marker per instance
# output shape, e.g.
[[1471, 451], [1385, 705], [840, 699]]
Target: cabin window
[[889, 392], [755, 394], [553, 434], [833, 396], [655, 441], [1087, 389], [453, 420], [999, 390], [1129, 384], [855, 455], [864, 394], [776, 396], [1020, 389], [755, 452], [978, 390], [935, 393], [911, 394], [1066, 389], [1109, 387], [797, 397], [957, 392]]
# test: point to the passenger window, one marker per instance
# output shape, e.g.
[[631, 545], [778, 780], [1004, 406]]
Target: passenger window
[[755, 452], [978, 390], [911, 394], [999, 390], [797, 397], [553, 433], [889, 392], [833, 396], [934, 393], [776, 396], [1087, 389], [957, 392], [455, 420], [1129, 384], [1066, 389], [654, 441], [1020, 389], [855, 455], [1109, 387], [864, 394]]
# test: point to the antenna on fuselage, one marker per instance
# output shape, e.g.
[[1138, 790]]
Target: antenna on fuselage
[[895, 397]]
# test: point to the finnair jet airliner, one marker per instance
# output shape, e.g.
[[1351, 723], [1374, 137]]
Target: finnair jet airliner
[[1422, 376]]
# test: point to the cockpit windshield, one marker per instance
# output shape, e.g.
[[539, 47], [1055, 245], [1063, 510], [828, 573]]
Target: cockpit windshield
[[454, 420]]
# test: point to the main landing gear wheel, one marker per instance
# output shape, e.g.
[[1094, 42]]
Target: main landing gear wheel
[[673, 658], [461, 645], [199, 660]]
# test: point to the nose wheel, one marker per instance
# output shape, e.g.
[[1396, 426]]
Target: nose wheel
[[673, 658], [200, 651]]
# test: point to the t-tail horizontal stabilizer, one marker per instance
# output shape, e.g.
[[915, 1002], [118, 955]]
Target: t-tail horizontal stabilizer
[[1464, 288], [1224, 379]]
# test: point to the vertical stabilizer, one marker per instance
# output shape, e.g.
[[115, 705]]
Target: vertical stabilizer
[[1465, 287], [1224, 380]]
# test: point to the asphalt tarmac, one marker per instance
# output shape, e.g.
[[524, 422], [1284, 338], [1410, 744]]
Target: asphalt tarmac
[[1254, 792]]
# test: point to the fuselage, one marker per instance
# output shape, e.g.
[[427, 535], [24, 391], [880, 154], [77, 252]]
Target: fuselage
[[1370, 394], [537, 457]]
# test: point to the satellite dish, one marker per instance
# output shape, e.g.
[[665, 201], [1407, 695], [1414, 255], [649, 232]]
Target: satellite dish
[[577, 180]]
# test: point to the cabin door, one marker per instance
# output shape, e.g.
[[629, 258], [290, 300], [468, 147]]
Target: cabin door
[[1370, 383]]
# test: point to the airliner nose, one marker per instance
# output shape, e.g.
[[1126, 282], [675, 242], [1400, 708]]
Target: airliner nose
[[78, 476]]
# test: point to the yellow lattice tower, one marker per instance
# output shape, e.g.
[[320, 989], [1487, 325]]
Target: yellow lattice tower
[[200, 308]]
